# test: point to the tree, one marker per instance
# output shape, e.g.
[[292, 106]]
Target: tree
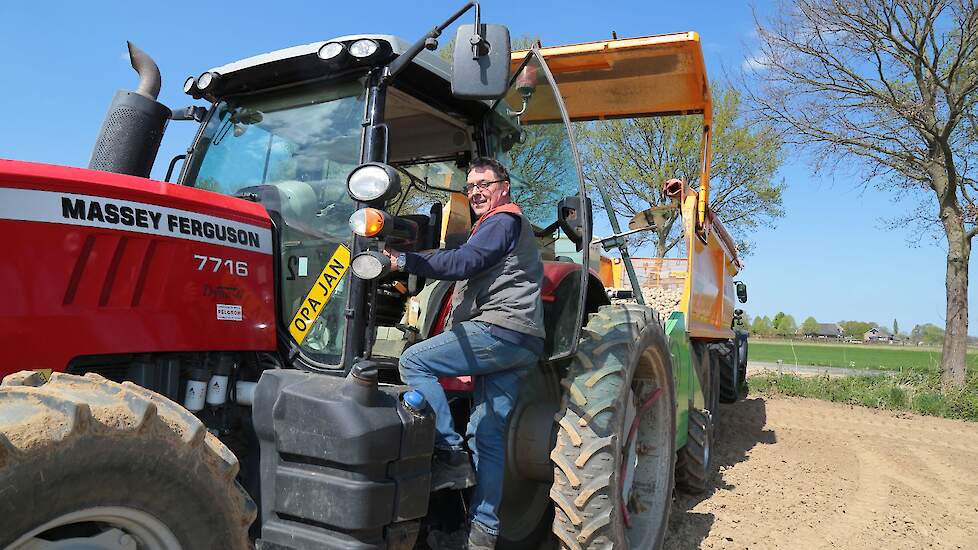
[[809, 326], [892, 85], [784, 324], [761, 326], [929, 334], [632, 158], [896, 329], [856, 329]]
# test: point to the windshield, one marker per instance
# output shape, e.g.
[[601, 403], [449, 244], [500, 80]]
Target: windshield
[[294, 149]]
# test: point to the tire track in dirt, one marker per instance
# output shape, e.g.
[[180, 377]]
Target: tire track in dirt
[[800, 473]]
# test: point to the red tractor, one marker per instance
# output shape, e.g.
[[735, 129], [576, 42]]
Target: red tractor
[[183, 358]]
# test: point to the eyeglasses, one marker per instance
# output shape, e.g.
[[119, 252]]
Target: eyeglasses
[[480, 185]]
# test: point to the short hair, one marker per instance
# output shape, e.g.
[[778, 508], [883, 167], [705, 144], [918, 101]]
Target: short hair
[[486, 162]]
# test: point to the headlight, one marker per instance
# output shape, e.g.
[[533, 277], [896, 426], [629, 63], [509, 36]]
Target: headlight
[[188, 85], [207, 80], [370, 265], [330, 51], [363, 48], [367, 222], [373, 181]]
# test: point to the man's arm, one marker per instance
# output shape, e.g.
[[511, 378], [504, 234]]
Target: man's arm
[[494, 239]]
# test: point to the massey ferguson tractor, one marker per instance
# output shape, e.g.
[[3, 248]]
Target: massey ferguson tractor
[[211, 362]]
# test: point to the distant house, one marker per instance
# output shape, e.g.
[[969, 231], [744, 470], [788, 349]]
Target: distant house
[[829, 330], [877, 335], [826, 330]]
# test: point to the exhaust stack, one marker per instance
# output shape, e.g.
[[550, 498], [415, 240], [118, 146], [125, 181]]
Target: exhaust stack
[[133, 127]]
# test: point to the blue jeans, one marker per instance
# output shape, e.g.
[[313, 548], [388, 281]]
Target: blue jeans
[[499, 366]]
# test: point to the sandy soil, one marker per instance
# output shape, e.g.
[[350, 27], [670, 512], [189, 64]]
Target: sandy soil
[[800, 473]]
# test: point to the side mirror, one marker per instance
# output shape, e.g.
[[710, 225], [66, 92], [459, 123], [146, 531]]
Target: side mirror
[[652, 217], [480, 62], [570, 217], [741, 291]]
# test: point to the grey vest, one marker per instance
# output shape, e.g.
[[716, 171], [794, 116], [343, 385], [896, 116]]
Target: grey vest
[[508, 293]]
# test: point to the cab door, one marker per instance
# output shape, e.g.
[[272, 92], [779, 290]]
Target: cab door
[[532, 136]]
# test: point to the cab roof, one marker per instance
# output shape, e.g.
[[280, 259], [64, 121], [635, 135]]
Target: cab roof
[[426, 59], [631, 77]]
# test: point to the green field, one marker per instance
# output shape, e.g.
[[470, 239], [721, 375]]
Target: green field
[[914, 391], [858, 356]]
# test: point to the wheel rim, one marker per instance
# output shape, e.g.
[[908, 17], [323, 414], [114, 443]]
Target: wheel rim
[[529, 474], [645, 434], [101, 528]]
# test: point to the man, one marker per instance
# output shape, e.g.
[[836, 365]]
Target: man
[[495, 333]]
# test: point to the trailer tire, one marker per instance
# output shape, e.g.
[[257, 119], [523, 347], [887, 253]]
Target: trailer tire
[[91, 461], [694, 463], [733, 370], [622, 363]]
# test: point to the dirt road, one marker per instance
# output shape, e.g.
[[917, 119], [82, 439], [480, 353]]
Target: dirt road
[[800, 473]]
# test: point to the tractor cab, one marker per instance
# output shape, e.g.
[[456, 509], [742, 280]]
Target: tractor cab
[[292, 128]]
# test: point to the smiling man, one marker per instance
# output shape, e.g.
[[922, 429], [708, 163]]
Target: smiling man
[[495, 333]]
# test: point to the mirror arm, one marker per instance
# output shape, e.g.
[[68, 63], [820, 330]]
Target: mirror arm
[[427, 41], [193, 112], [526, 103], [547, 230], [615, 239], [621, 245]]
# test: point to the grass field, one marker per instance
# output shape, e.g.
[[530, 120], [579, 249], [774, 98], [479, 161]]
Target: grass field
[[858, 356], [914, 391]]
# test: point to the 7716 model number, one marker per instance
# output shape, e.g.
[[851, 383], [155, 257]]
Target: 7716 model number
[[234, 267]]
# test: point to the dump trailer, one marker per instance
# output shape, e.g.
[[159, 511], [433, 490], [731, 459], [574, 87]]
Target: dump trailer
[[212, 362]]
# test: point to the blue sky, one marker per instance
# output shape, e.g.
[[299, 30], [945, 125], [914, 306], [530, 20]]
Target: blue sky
[[831, 256]]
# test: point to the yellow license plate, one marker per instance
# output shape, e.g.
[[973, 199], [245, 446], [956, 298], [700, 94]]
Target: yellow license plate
[[322, 291]]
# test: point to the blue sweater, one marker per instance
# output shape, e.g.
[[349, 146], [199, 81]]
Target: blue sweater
[[491, 242]]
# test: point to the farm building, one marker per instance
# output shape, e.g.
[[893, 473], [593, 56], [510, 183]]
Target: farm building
[[877, 335], [826, 330]]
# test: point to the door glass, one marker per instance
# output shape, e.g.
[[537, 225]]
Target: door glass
[[535, 142], [301, 142]]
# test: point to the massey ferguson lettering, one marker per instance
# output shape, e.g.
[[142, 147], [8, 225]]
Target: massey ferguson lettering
[[123, 215]]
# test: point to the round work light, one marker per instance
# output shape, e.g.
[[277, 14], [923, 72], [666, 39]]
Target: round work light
[[207, 80], [363, 48], [373, 181], [370, 265], [330, 51]]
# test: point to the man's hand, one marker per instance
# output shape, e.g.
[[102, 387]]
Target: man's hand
[[393, 255]]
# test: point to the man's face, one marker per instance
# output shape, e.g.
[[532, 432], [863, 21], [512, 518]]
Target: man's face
[[493, 195]]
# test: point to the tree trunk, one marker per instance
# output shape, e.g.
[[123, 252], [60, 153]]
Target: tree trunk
[[956, 330], [660, 245]]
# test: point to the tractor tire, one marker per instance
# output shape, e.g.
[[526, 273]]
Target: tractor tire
[[613, 485], [92, 463], [694, 463], [713, 384], [733, 370]]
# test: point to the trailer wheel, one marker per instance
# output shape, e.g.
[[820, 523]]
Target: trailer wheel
[[91, 463], [694, 463], [733, 370], [615, 452]]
